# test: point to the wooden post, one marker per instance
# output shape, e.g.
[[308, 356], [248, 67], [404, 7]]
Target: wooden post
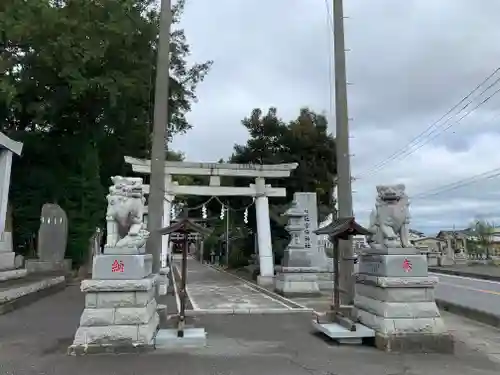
[[182, 313]]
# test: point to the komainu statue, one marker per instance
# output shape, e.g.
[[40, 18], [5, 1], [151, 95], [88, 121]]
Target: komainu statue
[[124, 215], [390, 219]]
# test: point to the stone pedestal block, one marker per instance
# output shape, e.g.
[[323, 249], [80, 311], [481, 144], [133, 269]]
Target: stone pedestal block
[[118, 313], [395, 297], [38, 266], [123, 267], [7, 261], [297, 284]]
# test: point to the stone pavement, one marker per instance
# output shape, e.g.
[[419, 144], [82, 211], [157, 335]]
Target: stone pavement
[[34, 339], [209, 289]]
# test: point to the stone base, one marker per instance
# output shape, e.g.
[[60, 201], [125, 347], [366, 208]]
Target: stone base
[[122, 267], [325, 280], [37, 266], [7, 260], [118, 314], [265, 280], [12, 275], [297, 284], [416, 343], [400, 326], [193, 338]]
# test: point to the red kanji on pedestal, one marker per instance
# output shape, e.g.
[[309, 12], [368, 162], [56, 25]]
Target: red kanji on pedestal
[[407, 265], [117, 266]]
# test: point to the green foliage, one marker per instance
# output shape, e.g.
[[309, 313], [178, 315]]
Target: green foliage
[[482, 237], [76, 85], [304, 140]]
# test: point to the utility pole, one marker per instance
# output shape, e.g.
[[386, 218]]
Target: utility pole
[[160, 124], [343, 164]]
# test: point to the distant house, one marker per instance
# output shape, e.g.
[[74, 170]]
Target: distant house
[[429, 244], [455, 239]]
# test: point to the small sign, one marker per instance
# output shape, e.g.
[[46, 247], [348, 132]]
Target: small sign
[[118, 266], [407, 265]]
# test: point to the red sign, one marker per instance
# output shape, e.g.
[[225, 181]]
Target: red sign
[[407, 265], [118, 266]]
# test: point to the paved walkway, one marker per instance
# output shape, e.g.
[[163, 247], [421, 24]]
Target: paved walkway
[[209, 289], [33, 341]]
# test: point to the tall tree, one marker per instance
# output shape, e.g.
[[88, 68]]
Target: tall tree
[[304, 140], [77, 87], [482, 237]]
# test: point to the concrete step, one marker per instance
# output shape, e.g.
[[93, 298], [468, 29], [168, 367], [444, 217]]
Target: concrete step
[[16, 293], [12, 275]]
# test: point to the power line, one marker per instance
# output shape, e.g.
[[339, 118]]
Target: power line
[[459, 184], [434, 126]]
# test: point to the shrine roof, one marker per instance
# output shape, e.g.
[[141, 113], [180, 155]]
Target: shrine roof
[[343, 225], [185, 225], [10, 144]]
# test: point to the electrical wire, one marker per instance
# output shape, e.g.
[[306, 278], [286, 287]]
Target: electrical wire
[[493, 173], [431, 129]]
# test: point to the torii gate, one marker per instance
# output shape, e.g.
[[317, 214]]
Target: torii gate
[[260, 190]]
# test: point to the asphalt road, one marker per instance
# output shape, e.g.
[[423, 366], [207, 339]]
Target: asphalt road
[[483, 295]]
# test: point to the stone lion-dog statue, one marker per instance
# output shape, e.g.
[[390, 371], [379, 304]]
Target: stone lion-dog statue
[[389, 221], [124, 215]]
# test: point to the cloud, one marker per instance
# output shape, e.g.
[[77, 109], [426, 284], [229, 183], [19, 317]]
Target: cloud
[[409, 62]]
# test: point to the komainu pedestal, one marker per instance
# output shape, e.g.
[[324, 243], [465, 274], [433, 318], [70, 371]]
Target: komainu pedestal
[[394, 293], [120, 312]]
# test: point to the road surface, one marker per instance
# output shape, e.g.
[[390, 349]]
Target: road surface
[[482, 295]]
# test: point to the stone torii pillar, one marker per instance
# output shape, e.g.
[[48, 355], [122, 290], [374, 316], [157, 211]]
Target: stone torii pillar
[[266, 259]]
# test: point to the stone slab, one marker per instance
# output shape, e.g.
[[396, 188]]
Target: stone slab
[[341, 334], [308, 202], [20, 291], [122, 267], [30, 293], [297, 257], [93, 285], [117, 334], [397, 282], [313, 270], [265, 280], [6, 242], [39, 266], [7, 261], [112, 250], [393, 265], [12, 275], [391, 251], [193, 338], [297, 284], [395, 294], [398, 310], [443, 343], [400, 326]]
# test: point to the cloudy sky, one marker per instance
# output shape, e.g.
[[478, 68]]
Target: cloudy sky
[[409, 63]]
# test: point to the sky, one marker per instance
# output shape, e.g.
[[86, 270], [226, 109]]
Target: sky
[[409, 62]]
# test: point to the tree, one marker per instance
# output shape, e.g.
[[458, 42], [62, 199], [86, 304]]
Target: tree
[[77, 87], [482, 237], [304, 140]]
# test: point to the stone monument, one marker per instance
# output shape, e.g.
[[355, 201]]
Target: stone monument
[[51, 241], [120, 307], [297, 277], [394, 293]]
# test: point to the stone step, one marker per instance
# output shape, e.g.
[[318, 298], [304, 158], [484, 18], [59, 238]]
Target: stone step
[[16, 293], [12, 275]]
